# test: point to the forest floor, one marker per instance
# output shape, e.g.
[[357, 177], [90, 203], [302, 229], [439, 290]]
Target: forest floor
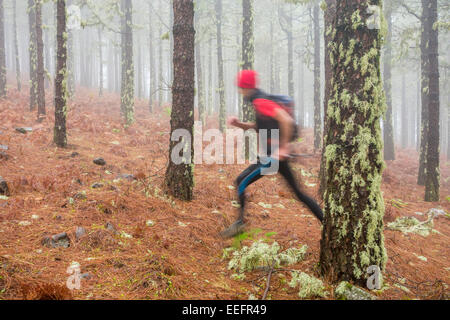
[[180, 256]]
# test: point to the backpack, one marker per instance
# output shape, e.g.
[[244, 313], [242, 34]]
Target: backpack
[[288, 105]]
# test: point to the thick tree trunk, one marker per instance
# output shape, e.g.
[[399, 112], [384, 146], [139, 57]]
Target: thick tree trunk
[[179, 177], [32, 54], [317, 102], [221, 89], [432, 180], [388, 132], [127, 88], [2, 52], [60, 135], [40, 63], [328, 15], [352, 238]]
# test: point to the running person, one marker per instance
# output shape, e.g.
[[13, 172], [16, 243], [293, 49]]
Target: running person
[[269, 116]]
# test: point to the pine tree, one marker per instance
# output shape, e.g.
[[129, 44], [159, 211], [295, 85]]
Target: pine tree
[[317, 103], [328, 15], [432, 183], [40, 70], [2, 52], [32, 54], [16, 48], [180, 177], [198, 63], [60, 135], [221, 88], [352, 238], [389, 151], [127, 88]]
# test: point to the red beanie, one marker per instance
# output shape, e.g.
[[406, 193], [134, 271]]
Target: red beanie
[[247, 79]]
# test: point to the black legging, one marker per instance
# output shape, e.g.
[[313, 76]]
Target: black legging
[[254, 173]]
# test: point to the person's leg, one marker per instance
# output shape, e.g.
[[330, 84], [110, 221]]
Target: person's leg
[[286, 172], [246, 178]]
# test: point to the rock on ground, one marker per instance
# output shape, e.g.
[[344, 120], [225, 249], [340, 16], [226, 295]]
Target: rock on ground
[[347, 291], [4, 190]]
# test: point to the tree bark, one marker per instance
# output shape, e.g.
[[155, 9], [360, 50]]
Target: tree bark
[[404, 137], [352, 238], [60, 135], [432, 179], [16, 49], [152, 85], [100, 68], [40, 63], [328, 15], [2, 52], [127, 88], [248, 53], [179, 178], [388, 132], [317, 102], [424, 44], [198, 63], [221, 89], [32, 54]]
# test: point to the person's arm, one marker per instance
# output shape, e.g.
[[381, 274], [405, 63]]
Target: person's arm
[[286, 127], [233, 121]]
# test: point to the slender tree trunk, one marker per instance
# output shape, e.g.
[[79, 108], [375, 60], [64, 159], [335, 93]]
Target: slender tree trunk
[[248, 61], [432, 180], [388, 132], [127, 89], [198, 63], [16, 49], [40, 63], [47, 47], [301, 100], [139, 70], [271, 62], [424, 44], [317, 102], [210, 77], [418, 110], [152, 85], [290, 37], [404, 116], [171, 71], [60, 135], [179, 177], [161, 79], [32, 54], [100, 53], [248, 53], [328, 27], [2, 52], [352, 238], [221, 89]]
